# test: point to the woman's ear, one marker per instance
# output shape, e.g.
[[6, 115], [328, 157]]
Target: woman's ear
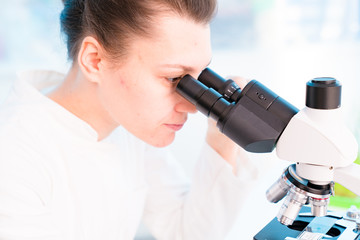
[[89, 58]]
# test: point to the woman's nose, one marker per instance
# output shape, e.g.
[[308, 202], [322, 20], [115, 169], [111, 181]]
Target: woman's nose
[[185, 106]]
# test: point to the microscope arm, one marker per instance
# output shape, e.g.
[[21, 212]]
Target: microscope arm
[[349, 177]]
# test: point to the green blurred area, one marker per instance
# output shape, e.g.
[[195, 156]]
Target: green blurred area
[[344, 198], [263, 5]]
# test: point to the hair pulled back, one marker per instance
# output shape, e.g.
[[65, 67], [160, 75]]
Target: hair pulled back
[[114, 22]]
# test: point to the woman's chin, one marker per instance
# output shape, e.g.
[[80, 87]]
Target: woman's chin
[[162, 141]]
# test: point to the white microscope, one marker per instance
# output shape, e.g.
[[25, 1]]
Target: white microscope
[[324, 150], [314, 138]]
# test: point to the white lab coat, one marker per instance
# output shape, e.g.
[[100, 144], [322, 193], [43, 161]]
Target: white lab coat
[[58, 182]]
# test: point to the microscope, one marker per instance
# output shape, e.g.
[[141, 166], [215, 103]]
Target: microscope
[[315, 139]]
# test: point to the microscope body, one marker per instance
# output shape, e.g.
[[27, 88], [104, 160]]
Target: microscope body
[[324, 150], [319, 142], [315, 138]]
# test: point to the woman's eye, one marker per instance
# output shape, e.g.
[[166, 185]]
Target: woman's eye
[[174, 80]]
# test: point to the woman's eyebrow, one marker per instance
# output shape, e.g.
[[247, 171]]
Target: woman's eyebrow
[[180, 66]]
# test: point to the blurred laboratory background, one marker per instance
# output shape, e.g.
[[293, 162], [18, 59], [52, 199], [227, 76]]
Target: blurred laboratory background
[[281, 43]]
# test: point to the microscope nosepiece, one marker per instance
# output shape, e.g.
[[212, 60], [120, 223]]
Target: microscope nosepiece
[[299, 192]]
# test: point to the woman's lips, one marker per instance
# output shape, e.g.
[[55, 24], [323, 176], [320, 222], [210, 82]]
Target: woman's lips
[[175, 127]]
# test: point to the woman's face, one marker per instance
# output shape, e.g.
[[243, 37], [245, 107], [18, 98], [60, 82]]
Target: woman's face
[[140, 94]]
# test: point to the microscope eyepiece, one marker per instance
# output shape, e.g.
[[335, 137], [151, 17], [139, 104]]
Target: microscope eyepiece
[[228, 88], [206, 100], [191, 89], [211, 79]]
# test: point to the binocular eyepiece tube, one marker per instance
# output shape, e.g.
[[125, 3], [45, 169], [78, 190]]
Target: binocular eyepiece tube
[[253, 117]]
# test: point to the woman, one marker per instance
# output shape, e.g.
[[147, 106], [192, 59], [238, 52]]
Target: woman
[[80, 156]]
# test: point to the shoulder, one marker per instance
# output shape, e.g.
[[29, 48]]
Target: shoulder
[[22, 151], [19, 133]]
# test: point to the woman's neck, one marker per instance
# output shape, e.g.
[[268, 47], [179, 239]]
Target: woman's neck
[[79, 96]]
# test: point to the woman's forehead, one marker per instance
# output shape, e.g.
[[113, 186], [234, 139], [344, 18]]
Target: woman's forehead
[[175, 40]]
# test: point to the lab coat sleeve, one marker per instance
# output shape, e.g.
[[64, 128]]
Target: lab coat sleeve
[[206, 209], [23, 194]]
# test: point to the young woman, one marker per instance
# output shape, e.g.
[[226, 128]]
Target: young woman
[[80, 154]]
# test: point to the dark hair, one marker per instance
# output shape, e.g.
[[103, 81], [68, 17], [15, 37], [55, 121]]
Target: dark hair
[[113, 22]]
